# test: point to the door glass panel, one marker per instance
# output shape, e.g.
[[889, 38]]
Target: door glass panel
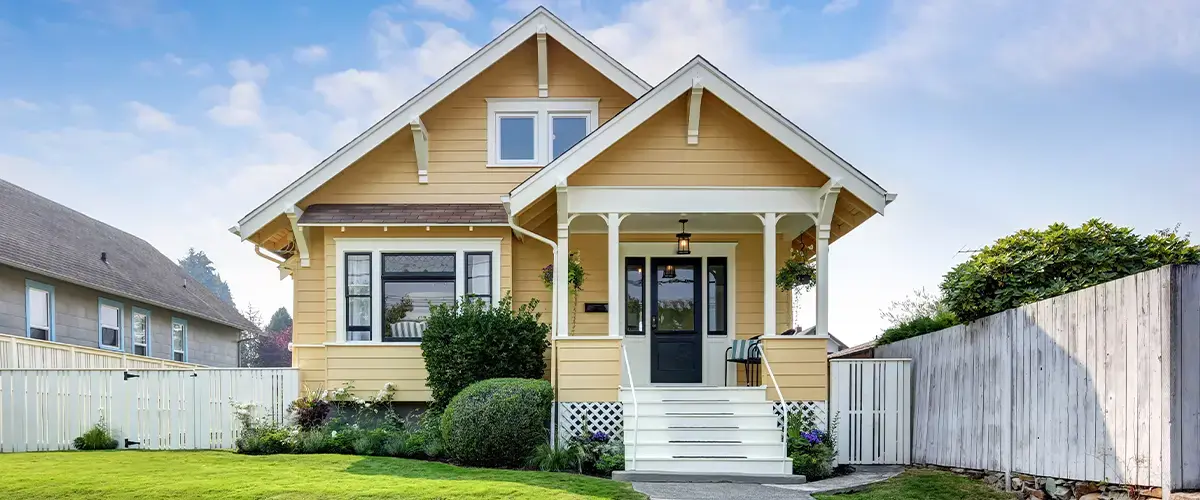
[[676, 300]]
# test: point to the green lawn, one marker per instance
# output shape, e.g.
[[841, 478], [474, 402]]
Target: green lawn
[[924, 484], [217, 474]]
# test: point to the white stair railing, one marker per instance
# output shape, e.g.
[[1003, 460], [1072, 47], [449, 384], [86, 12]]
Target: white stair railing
[[783, 402], [633, 396]]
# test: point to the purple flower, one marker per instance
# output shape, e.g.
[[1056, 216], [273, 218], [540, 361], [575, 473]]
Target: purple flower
[[813, 436], [600, 436]]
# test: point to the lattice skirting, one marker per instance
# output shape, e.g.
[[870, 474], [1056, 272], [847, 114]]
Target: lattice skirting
[[601, 416], [816, 409]]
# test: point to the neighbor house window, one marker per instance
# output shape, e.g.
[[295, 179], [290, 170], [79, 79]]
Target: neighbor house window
[[635, 295], [141, 331], [179, 332], [718, 283], [39, 310], [533, 132], [412, 284], [111, 331], [358, 296]]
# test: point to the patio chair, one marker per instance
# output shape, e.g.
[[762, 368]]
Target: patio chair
[[746, 352]]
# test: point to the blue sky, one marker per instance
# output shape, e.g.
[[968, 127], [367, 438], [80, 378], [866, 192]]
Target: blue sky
[[171, 120]]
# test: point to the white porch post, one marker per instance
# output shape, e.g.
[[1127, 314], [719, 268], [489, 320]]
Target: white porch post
[[615, 271], [769, 220], [824, 219], [562, 300]]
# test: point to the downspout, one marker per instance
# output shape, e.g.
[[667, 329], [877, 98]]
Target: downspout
[[554, 305]]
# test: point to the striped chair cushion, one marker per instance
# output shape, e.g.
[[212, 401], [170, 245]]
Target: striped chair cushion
[[743, 350], [408, 329]]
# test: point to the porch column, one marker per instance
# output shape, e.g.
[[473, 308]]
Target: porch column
[[823, 280], [615, 270], [769, 220], [562, 300]]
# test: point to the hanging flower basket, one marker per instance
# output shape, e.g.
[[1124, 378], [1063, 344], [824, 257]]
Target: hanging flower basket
[[575, 274], [797, 273]]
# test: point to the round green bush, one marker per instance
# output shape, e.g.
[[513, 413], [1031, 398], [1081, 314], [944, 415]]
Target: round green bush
[[497, 422]]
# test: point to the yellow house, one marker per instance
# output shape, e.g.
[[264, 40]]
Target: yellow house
[[538, 146]]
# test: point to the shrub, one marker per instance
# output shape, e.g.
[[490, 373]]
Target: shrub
[[497, 422], [310, 411], [610, 461], [426, 438], [99, 437], [588, 447], [313, 441], [1032, 265], [810, 447], [549, 458], [469, 341], [917, 326], [267, 439], [372, 442], [399, 444]]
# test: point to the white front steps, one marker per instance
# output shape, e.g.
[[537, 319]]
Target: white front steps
[[703, 430]]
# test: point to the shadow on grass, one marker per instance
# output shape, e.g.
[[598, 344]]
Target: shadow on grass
[[571, 483]]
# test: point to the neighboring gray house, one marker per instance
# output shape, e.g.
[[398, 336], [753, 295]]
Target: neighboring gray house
[[66, 277], [832, 345]]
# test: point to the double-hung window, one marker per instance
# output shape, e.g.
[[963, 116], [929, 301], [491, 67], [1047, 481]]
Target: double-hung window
[[179, 332], [111, 325], [533, 132], [39, 310], [358, 296], [140, 323]]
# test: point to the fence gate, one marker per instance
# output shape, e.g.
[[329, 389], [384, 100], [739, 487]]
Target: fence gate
[[46, 409], [870, 400]]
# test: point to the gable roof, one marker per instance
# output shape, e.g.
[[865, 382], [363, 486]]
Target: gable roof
[[700, 72], [40, 236], [539, 19]]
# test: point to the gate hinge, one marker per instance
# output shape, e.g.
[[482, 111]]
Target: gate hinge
[[129, 443], [130, 375]]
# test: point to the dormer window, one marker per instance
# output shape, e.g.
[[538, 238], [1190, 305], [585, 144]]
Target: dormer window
[[533, 132]]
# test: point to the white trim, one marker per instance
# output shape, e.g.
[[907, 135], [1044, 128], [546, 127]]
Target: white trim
[[378, 246], [482, 59], [393, 224], [693, 130], [421, 146], [692, 200], [543, 64], [543, 112], [293, 214], [698, 71]]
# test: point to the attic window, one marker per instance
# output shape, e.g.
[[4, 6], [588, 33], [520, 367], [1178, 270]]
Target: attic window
[[533, 132]]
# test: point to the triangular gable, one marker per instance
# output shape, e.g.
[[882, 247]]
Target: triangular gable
[[699, 72], [396, 121]]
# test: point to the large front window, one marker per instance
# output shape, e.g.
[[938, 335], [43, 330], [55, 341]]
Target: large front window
[[388, 287]]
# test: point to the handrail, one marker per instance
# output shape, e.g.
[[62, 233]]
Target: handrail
[[782, 402], [633, 394]]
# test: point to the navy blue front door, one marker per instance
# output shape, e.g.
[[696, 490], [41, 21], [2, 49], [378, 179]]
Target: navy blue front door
[[676, 344]]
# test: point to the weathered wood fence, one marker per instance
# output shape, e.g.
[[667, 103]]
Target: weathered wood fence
[[20, 352], [46, 409], [1102, 384]]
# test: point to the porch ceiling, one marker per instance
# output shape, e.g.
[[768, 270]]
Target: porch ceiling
[[792, 225]]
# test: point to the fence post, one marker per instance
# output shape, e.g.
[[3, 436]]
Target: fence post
[[1008, 401]]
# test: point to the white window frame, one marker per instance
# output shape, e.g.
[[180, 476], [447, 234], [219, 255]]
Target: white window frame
[[376, 247], [542, 109], [120, 326], [30, 286], [184, 322], [133, 332]]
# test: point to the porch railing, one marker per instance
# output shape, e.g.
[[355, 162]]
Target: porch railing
[[782, 401], [633, 396]]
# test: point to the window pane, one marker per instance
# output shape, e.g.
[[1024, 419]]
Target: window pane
[[418, 264], [717, 301], [677, 298], [635, 298], [39, 333], [407, 303], [178, 335], [479, 274], [110, 336], [568, 130], [359, 312], [178, 356], [110, 316], [139, 328], [358, 275], [140, 350], [516, 138], [39, 308]]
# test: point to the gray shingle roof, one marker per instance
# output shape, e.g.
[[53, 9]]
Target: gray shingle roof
[[41, 236], [405, 213]]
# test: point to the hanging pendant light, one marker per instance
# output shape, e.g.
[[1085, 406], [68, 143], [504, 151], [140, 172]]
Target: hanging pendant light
[[669, 272], [683, 239]]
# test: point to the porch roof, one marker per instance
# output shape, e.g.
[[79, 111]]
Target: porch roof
[[404, 213]]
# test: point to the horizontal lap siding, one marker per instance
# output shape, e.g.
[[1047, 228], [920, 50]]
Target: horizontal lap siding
[[588, 369], [800, 367], [309, 294], [457, 129], [370, 367]]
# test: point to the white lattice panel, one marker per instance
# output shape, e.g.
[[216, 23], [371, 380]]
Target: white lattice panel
[[815, 408], [603, 416]]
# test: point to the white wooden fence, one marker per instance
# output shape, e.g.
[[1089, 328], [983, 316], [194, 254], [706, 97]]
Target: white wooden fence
[[1102, 384], [20, 352], [871, 400], [46, 409]]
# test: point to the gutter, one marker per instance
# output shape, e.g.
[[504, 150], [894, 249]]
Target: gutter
[[554, 305]]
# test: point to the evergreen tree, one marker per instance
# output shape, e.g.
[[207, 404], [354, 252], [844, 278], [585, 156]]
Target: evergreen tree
[[200, 268]]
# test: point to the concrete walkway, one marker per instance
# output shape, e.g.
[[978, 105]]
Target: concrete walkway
[[862, 476]]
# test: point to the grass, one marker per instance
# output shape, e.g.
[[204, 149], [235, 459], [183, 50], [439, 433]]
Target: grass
[[225, 475], [925, 484]]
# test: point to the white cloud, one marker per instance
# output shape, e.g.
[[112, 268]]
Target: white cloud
[[149, 119], [200, 70], [455, 9], [241, 107], [243, 70], [23, 105], [311, 54], [839, 6], [173, 59]]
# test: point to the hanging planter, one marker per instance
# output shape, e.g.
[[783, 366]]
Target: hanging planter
[[797, 272], [575, 277]]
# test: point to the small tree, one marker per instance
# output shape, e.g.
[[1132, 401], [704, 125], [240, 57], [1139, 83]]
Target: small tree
[[201, 269], [1032, 265], [279, 321], [470, 341]]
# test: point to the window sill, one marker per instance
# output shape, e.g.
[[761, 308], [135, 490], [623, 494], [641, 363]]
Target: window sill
[[112, 348], [371, 343]]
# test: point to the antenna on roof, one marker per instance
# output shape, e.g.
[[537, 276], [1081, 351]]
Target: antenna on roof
[[104, 257]]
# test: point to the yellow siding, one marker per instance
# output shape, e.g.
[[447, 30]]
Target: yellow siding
[[370, 367], [588, 369], [458, 136], [311, 362], [309, 294], [801, 368], [732, 152]]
